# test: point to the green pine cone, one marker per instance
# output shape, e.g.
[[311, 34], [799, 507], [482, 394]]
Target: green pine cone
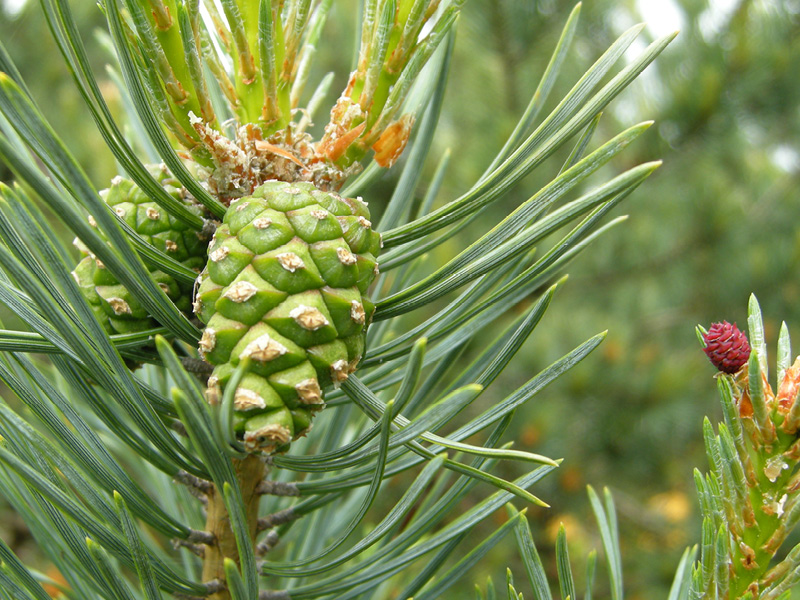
[[284, 286], [115, 307]]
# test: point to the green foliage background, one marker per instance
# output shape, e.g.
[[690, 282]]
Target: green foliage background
[[717, 221]]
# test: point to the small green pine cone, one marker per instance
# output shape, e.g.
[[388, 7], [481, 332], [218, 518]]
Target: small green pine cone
[[284, 285], [115, 307]]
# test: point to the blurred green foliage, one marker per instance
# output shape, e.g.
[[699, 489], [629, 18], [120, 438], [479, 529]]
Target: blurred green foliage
[[719, 220]]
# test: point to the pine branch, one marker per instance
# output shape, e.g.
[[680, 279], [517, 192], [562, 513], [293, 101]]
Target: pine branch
[[144, 438]]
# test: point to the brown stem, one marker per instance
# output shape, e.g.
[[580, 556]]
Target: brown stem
[[193, 481], [197, 366], [277, 488], [279, 518], [270, 541], [250, 472], [199, 488]]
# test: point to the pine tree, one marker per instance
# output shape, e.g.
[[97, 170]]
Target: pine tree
[[177, 477]]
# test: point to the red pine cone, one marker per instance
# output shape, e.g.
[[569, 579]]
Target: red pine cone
[[726, 347]]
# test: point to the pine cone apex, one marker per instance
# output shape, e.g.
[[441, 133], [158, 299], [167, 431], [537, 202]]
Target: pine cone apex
[[726, 347]]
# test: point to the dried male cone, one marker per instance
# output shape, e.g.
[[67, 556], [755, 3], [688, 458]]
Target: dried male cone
[[115, 306], [284, 285]]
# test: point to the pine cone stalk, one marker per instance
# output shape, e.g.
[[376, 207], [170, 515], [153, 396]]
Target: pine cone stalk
[[250, 473]]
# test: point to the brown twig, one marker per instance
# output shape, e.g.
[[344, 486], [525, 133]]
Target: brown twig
[[195, 549], [199, 488], [277, 488], [279, 595], [211, 587], [197, 366], [190, 480], [200, 537], [278, 518], [268, 543]]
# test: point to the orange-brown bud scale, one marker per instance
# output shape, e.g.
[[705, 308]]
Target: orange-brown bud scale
[[393, 140]]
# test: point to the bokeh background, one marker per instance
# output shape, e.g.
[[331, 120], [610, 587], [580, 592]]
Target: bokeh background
[[719, 220]]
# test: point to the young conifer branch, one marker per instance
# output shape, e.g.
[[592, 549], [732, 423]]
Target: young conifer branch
[[749, 499]]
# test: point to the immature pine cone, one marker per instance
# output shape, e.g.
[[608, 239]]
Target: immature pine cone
[[285, 285], [116, 308], [726, 347]]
